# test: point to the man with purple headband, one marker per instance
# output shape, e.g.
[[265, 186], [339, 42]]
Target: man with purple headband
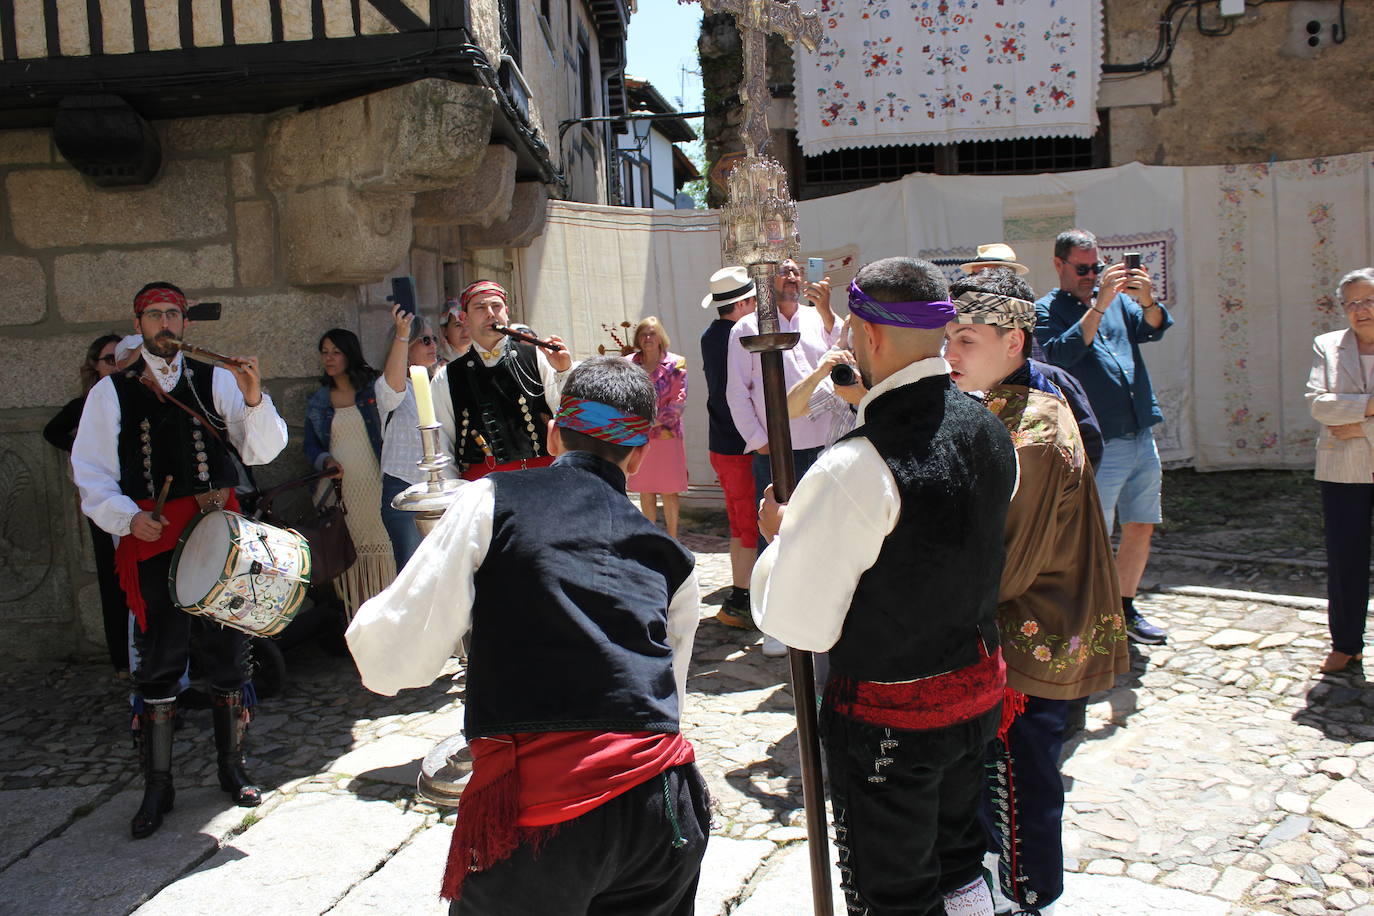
[[584, 797], [905, 515]]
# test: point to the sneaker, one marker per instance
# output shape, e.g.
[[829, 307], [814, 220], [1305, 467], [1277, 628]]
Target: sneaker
[[773, 648], [1142, 631], [731, 617]]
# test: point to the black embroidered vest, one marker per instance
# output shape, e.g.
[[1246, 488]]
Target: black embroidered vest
[[504, 404], [931, 597], [157, 438], [569, 622]]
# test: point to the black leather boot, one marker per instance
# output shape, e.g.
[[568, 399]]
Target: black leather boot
[[231, 722], [155, 726]]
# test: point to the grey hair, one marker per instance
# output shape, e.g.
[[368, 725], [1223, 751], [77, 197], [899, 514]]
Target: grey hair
[[1355, 276], [1070, 239], [421, 326]]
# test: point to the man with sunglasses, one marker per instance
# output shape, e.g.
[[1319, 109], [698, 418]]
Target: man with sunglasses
[[1093, 325]]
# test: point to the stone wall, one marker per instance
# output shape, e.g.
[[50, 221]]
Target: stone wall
[[1249, 96], [294, 221]]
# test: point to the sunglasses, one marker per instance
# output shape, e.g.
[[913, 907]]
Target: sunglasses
[[1084, 269], [426, 339], [107, 360]]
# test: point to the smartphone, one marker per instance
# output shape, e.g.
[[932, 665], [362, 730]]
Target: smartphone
[[203, 311], [403, 293], [815, 270], [1131, 260]]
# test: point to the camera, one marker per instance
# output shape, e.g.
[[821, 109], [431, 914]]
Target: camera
[[844, 374]]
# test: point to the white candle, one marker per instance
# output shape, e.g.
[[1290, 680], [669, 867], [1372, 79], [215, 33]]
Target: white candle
[[424, 401]]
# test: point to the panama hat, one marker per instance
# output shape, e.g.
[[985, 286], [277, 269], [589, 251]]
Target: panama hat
[[996, 254], [729, 284]]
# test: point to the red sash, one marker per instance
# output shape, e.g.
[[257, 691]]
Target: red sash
[[482, 469], [930, 702], [523, 785], [131, 551]]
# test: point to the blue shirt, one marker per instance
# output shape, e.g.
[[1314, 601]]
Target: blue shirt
[[1110, 369]]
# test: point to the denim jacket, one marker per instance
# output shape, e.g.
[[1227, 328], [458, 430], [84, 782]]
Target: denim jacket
[[319, 417]]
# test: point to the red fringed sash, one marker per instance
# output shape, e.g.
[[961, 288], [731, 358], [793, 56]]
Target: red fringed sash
[[524, 785], [931, 702]]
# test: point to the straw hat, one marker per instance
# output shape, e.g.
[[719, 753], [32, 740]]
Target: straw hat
[[997, 254], [729, 284]]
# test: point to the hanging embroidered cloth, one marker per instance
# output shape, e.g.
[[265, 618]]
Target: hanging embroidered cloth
[[900, 72]]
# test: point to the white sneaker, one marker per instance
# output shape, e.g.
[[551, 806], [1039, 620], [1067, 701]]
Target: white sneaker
[[773, 648]]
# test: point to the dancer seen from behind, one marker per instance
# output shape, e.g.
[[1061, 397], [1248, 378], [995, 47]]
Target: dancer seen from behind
[[888, 557], [584, 797]]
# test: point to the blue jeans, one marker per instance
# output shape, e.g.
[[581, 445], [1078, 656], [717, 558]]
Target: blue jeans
[[1129, 478], [400, 524]]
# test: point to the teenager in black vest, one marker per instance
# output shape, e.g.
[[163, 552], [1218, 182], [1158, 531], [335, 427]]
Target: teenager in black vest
[[888, 557], [133, 436], [583, 797], [495, 400]]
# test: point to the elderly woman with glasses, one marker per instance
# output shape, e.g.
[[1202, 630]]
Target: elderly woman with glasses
[[1340, 392], [413, 343]]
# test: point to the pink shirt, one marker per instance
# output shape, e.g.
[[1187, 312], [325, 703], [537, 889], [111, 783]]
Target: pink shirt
[[744, 384]]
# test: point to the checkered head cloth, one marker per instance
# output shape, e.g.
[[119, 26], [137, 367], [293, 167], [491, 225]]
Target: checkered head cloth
[[975, 307]]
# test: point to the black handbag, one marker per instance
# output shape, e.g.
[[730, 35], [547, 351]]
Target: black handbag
[[331, 546]]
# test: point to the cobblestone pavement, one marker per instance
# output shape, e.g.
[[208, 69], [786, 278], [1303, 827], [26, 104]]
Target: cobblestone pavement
[[1220, 777]]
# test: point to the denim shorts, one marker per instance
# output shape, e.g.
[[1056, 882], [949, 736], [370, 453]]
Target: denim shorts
[[1128, 479]]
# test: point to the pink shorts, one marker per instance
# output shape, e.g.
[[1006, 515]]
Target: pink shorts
[[736, 476]]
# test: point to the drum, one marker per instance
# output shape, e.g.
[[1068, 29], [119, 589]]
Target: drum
[[246, 574]]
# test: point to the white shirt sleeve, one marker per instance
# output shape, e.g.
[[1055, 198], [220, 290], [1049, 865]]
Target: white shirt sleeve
[[742, 392], [258, 433], [388, 398], [684, 611], [95, 462], [552, 381], [832, 532], [404, 636], [443, 411]]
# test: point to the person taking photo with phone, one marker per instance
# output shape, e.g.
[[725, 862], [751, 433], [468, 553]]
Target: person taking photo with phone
[[1093, 324]]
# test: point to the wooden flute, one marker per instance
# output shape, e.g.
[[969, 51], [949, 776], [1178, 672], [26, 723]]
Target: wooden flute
[[227, 361], [527, 338]]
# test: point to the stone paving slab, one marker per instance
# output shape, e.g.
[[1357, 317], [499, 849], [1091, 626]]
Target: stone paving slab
[[1099, 895], [786, 887], [301, 859], [394, 759], [726, 868], [408, 883], [32, 814], [95, 867]]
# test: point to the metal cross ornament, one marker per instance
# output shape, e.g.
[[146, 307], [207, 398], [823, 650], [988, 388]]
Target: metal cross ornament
[[755, 19]]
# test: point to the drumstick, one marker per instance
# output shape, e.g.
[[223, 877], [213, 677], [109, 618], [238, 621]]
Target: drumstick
[[162, 499]]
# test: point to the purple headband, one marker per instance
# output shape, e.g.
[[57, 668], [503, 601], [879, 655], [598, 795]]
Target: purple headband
[[934, 314]]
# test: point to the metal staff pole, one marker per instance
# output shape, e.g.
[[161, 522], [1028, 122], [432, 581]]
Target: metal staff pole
[[759, 229]]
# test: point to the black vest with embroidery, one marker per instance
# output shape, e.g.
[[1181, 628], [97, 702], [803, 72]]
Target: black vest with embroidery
[[569, 619], [157, 438], [504, 404], [931, 597]]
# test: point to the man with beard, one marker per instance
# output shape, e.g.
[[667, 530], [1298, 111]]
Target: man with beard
[[494, 401], [1061, 629], [168, 416], [819, 330], [888, 557]]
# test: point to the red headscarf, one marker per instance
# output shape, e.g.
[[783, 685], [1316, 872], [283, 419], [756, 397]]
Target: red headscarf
[[481, 287], [159, 294]]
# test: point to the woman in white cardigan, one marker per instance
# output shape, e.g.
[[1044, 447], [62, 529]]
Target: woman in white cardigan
[[1340, 392]]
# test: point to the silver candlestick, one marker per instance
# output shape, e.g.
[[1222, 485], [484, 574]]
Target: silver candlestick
[[430, 499]]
